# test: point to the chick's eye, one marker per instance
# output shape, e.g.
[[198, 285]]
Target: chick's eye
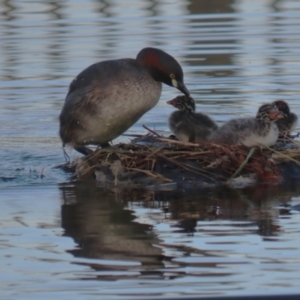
[[172, 76]]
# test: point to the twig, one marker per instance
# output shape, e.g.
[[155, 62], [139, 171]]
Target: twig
[[133, 135], [178, 142], [189, 153], [149, 173], [243, 164], [152, 131], [188, 168], [284, 155]]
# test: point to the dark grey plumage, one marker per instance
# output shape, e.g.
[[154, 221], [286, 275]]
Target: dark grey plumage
[[289, 121], [108, 97], [186, 124], [260, 130]]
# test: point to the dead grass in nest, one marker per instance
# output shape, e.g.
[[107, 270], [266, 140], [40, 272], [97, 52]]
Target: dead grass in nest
[[164, 160]]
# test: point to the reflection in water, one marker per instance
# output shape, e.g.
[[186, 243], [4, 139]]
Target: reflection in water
[[211, 7], [8, 11], [102, 227], [56, 47], [112, 226], [277, 45], [212, 52], [55, 10], [212, 39], [256, 209]]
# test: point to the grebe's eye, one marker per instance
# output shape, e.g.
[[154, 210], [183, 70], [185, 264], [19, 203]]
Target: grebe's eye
[[173, 80]]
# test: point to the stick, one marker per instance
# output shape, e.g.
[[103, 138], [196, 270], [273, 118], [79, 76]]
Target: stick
[[152, 131], [243, 164]]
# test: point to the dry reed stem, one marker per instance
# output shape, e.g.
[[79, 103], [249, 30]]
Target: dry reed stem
[[243, 164], [285, 156], [151, 131], [150, 173], [184, 166]]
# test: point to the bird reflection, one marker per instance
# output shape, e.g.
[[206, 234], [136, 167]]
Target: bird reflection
[[256, 207], [103, 228], [188, 226]]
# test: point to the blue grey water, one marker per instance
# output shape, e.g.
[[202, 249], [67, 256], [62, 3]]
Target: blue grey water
[[75, 240]]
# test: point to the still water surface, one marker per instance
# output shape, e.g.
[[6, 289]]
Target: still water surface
[[66, 240]]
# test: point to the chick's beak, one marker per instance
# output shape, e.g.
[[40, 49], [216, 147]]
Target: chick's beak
[[276, 115], [171, 102]]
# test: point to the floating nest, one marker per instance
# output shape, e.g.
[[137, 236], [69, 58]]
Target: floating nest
[[159, 162]]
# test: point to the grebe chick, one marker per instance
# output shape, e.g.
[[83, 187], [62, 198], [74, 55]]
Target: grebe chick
[[188, 125]]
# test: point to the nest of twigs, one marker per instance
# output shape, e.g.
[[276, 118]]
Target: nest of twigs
[[155, 160]]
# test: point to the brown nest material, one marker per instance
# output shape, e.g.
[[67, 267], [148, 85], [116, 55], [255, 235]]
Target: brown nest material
[[153, 160]]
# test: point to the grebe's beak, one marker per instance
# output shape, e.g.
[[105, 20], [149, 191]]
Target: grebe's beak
[[181, 87]]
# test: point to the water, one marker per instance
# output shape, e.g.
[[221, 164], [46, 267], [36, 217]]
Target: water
[[66, 240]]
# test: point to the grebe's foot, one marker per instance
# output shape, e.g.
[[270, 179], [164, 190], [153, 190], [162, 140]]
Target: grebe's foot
[[105, 145], [83, 150]]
